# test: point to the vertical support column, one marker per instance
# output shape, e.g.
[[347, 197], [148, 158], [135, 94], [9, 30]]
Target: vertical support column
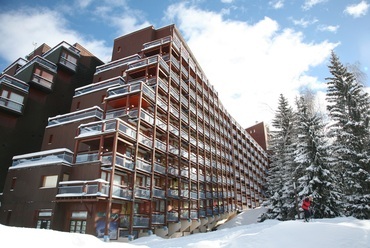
[[111, 179]]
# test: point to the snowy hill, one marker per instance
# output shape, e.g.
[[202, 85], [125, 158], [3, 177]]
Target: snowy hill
[[238, 232]]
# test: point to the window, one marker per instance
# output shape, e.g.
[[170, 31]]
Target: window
[[50, 139], [121, 180], [50, 181], [143, 181], [43, 219], [69, 58], [78, 222], [159, 206], [12, 186], [44, 74], [65, 177], [105, 176]]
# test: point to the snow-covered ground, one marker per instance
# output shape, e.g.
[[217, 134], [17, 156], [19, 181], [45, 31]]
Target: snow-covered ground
[[242, 231]]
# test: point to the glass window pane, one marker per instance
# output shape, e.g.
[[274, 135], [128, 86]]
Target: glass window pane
[[50, 181]]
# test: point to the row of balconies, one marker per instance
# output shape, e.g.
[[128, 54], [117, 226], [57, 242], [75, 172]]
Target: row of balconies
[[101, 188], [149, 119], [93, 128], [127, 163], [147, 91], [146, 166]]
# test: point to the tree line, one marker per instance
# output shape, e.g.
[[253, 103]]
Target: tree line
[[324, 156]]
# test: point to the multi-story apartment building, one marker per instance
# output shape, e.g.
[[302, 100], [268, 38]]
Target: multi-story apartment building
[[147, 147], [35, 88]]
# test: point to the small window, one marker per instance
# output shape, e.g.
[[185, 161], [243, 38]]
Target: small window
[[78, 105], [50, 139], [119, 49], [65, 177], [50, 181], [12, 186]]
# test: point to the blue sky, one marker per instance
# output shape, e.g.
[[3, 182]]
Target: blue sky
[[250, 50]]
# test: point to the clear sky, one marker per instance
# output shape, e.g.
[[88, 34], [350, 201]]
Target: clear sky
[[250, 50]]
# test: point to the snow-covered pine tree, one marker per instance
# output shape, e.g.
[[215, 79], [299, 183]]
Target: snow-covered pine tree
[[314, 176], [348, 107], [280, 204]]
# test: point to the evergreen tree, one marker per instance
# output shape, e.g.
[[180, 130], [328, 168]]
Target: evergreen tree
[[314, 176], [280, 183], [348, 107]]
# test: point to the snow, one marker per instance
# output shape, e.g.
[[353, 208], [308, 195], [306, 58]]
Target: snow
[[242, 231]]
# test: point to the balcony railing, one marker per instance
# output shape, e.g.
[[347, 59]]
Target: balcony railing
[[142, 193], [173, 171], [42, 81], [141, 221], [83, 188], [159, 168], [193, 214], [122, 192], [144, 62], [145, 140], [14, 82], [10, 104], [161, 124], [163, 84], [193, 195], [124, 89], [145, 116], [184, 214], [157, 219], [117, 63], [99, 85], [175, 78], [77, 115], [49, 156], [67, 63], [173, 193], [172, 216], [173, 150], [86, 157], [102, 126], [159, 193], [116, 113], [175, 62], [121, 161], [160, 145], [156, 42], [143, 165]]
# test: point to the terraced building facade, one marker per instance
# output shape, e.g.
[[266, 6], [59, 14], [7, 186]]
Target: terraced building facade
[[147, 147]]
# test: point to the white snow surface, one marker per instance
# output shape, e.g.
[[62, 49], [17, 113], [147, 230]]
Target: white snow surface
[[241, 231]]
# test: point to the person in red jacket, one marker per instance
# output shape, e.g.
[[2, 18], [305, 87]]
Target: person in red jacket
[[306, 208]]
